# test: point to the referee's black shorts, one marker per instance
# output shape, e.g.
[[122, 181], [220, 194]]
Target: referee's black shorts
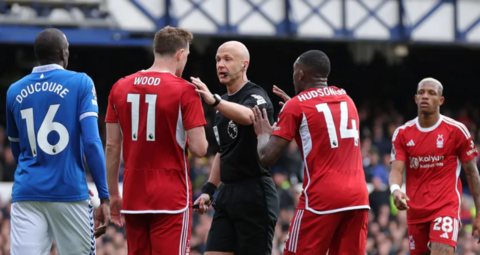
[[245, 217]]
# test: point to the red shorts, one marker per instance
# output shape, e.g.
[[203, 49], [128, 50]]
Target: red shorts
[[440, 230], [342, 233], [158, 234]]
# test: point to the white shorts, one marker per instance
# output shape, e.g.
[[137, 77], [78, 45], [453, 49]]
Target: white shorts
[[34, 225]]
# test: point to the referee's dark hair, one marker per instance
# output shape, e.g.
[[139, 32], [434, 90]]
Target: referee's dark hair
[[317, 61], [50, 46]]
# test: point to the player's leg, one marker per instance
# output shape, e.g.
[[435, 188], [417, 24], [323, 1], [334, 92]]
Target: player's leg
[[443, 235], [170, 233], [221, 237], [351, 235], [418, 237], [137, 227], [72, 226], [29, 229], [310, 233], [255, 212]]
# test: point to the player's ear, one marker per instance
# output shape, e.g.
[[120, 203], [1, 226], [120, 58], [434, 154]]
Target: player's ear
[[179, 53], [442, 99], [416, 98]]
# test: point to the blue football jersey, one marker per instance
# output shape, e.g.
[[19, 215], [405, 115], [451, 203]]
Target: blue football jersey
[[44, 110]]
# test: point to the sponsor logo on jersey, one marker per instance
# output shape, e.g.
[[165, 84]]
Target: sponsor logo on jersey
[[411, 143], [260, 99], [440, 141], [411, 242], [232, 130], [426, 162], [473, 150]]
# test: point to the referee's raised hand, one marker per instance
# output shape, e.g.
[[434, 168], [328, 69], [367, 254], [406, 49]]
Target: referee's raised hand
[[277, 91]]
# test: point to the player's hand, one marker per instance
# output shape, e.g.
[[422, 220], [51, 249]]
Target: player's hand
[[261, 123], [115, 207], [102, 217], [398, 198], [277, 91], [90, 192], [203, 90], [203, 203], [476, 227]]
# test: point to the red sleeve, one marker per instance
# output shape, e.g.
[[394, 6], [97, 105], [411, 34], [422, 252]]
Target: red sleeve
[[288, 122], [466, 149], [192, 109], [111, 113], [398, 146]]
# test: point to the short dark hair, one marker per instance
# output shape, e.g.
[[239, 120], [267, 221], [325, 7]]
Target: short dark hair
[[171, 39], [49, 43], [317, 61]]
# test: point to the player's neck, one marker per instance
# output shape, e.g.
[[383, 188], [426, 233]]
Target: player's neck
[[428, 120], [163, 65], [44, 63], [232, 89]]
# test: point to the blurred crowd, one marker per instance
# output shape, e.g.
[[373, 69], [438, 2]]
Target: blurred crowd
[[387, 227]]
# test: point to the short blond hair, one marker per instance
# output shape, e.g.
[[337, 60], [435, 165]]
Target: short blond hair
[[433, 81]]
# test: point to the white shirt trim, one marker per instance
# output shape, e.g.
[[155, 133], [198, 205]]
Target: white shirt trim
[[154, 211], [429, 128], [88, 114], [146, 71], [46, 68], [11, 139]]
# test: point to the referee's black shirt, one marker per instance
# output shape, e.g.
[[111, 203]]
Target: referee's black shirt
[[238, 143]]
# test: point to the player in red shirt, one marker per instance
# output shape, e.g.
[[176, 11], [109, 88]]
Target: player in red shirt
[[433, 149], [332, 214], [158, 116]]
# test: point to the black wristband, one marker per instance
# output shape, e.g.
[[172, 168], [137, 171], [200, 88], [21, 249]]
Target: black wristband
[[209, 188]]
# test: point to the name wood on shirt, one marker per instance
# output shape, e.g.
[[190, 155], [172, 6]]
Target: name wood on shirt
[[146, 81], [328, 91], [39, 87]]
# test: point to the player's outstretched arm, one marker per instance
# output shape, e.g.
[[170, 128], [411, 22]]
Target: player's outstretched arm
[[473, 180], [112, 155], [269, 148], [96, 163], [198, 141], [396, 181], [202, 203], [236, 112]]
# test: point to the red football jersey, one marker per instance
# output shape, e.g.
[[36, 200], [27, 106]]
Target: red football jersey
[[433, 158], [324, 123], [154, 110]]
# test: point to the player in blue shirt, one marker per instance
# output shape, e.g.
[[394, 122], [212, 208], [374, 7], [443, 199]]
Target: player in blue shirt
[[51, 122]]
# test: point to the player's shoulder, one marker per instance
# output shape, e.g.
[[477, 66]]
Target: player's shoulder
[[18, 85], [407, 126], [292, 105], [455, 126]]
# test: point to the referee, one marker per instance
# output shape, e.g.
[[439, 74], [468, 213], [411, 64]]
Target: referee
[[247, 207]]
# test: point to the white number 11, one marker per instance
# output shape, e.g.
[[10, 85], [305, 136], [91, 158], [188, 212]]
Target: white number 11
[[344, 131], [151, 100]]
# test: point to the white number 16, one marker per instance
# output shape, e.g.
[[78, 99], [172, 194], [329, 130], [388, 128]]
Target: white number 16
[[344, 131]]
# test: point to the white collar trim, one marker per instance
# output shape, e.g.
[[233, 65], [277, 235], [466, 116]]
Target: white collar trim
[[46, 68], [158, 72], [428, 129]]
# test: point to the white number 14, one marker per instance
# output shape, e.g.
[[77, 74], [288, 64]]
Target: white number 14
[[344, 131]]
